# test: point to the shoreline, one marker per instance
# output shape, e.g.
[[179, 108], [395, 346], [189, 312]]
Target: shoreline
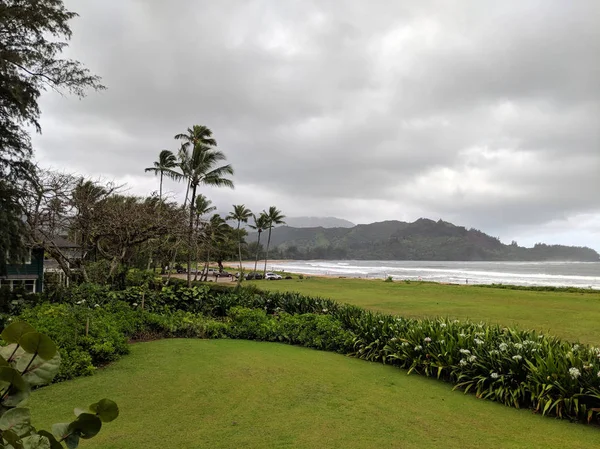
[[502, 275], [506, 286]]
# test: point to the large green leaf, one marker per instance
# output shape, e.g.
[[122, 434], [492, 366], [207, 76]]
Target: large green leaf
[[38, 343], [40, 372], [61, 430], [13, 439], [3, 362], [13, 377], [53, 443], [72, 441], [13, 332], [7, 351], [17, 420], [15, 387], [86, 425], [36, 441], [105, 409]]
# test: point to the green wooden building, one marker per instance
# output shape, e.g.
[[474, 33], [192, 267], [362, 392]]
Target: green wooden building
[[29, 274]]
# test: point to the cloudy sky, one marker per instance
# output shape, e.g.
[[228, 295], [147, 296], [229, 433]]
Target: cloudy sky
[[483, 113]]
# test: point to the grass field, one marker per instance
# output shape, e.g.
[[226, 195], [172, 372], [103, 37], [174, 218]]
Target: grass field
[[242, 394], [574, 316]]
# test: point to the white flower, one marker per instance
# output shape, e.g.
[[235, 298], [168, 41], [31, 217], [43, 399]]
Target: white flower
[[534, 350], [494, 352], [479, 334], [443, 324], [462, 362], [398, 319], [464, 351], [541, 336], [456, 321], [393, 339], [494, 375], [575, 347], [574, 373], [427, 340], [10, 319], [503, 346], [472, 358], [517, 357], [518, 346], [97, 305], [325, 310], [478, 341], [404, 343], [134, 304], [598, 373], [79, 302], [418, 347], [380, 322], [462, 335]]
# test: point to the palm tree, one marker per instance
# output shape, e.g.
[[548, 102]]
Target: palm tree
[[274, 217], [260, 224], [203, 207], [167, 162], [214, 232], [198, 161], [240, 214]]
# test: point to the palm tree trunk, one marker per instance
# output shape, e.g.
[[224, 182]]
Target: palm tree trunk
[[160, 187], [267, 255], [187, 191], [257, 252], [239, 252], [171, 265], [206, 266], [191, 237]]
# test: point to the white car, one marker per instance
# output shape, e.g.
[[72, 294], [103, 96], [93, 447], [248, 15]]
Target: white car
[[272, 277]]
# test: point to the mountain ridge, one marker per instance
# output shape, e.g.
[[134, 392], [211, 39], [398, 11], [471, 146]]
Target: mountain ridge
[[423, 239]]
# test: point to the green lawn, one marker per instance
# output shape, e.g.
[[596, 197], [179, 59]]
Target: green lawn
[[242, 394], [574, 316]]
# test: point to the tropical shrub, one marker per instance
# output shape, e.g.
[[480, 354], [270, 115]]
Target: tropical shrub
[[31, 359]]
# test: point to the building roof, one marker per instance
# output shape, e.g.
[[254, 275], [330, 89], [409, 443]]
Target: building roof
[[62, 242]]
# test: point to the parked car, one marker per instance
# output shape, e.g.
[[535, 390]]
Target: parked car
[[253, 275], [273, 276]]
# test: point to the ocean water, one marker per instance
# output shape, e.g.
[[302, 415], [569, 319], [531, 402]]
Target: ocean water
[[560, 274]]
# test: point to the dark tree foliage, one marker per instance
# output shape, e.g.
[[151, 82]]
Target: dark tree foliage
[[33, 34]]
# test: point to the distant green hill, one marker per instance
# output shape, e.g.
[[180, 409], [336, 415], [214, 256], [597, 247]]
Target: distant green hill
[[422, 240]]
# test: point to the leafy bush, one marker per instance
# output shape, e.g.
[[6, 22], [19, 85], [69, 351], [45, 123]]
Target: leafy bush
[[389, 279], [32, 359], [518, 368], [314, 331]]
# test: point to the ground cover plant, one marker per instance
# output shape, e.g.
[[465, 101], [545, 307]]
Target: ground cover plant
[[237, 393]]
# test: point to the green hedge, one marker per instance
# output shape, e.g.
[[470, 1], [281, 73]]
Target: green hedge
[[518, 368]]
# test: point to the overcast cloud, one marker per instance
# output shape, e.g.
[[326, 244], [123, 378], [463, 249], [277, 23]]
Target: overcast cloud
[[483, 113]]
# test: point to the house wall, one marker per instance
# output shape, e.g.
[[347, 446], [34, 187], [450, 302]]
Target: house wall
[[34, 268]]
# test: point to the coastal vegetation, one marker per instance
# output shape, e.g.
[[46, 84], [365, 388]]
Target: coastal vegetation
[[422, 240], [203, 383]]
